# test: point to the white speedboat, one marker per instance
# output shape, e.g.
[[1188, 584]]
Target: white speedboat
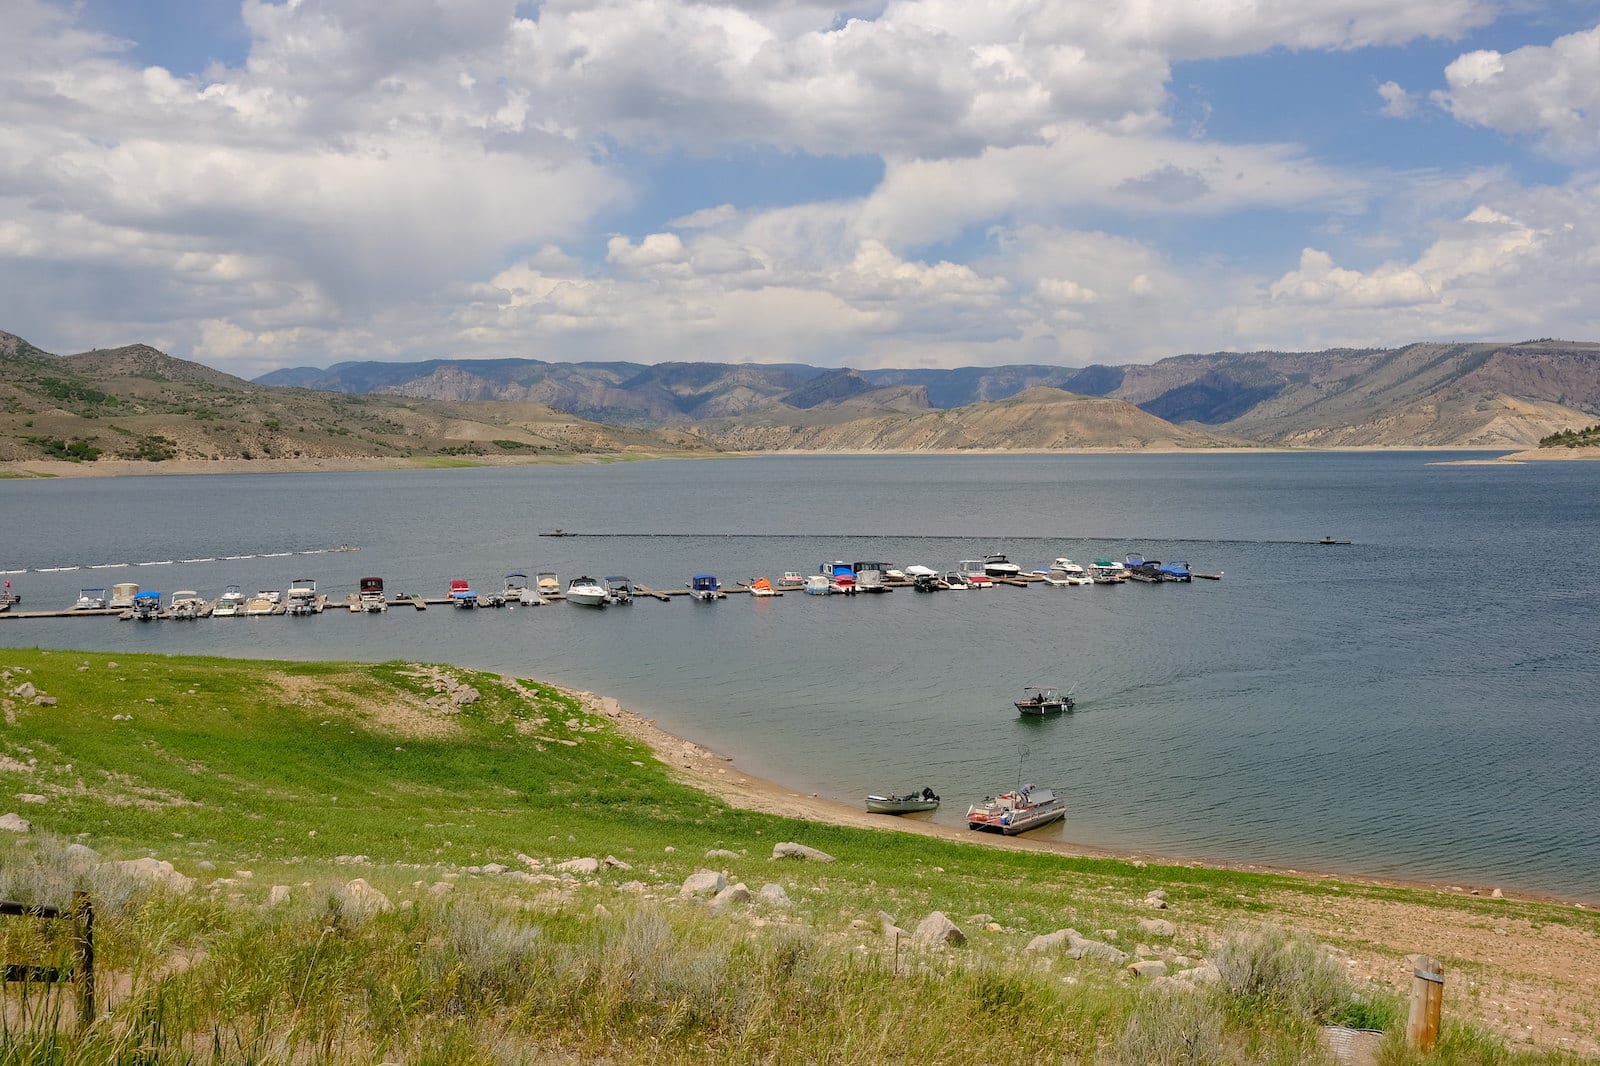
[[1000, 566], [91, 600], [229, 604], [587, 592], [915, 571]]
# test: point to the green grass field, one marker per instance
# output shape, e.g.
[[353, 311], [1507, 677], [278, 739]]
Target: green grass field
[[309, 774]]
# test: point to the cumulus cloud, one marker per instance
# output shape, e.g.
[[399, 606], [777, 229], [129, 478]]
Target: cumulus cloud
[[1397, 102], [1550, 92]]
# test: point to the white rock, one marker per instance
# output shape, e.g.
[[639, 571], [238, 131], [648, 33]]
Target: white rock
[[31, 797], [44, 701], [791, 850], [773, 894], [79, 857], [722, 853], [1148, 968], [1496, 894], [278, 895], [632, 886], [937, 930], [1157, 927], [15, 823], [1048, 941], [703, 883], [1156, 893], [494, 869], [25, 691], [1081, 947], [360, 900], [585, 865], [615, 863], [154, 872], [734, 893]]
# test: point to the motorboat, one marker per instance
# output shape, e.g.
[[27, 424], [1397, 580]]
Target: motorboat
[[955, 581], [818, 585], [1176, 570], [870, 576], [915, 571], [587, 592], [973, 571], [7, 597], [91, 600], [1065, 565], [462, 596], [1016, 812], [1331, 540], [841, 579], [518, 592], [229, 604], [370, 597], [547, 583], [302, 597], [619, 590], [704, 587], [894, 573], [1108, 572], [186, 605], [1044, 701], [926, 583], [147, 606], [909, 803], [122, 594], [272, 596], [258, 605], [761, 588], [792, 577], [1000, 566]]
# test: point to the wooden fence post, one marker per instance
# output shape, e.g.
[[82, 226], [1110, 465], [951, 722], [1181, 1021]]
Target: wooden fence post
[[1427, 999], [83, 910]]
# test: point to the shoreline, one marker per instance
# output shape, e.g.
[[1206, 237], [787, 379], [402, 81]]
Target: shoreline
[[37, 469], [720, 775]]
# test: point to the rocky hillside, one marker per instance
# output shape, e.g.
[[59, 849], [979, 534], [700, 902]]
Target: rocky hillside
[[1488, 395], [139, 403], [1038, 419]]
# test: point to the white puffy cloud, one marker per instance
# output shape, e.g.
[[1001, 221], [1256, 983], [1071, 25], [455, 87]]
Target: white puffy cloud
[[1551, 92], [1397, 102]]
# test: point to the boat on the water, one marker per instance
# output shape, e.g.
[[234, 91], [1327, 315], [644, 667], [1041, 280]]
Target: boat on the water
[[147, 605], [705, 588], [619, 590], [909, 803], [926, 583], [870, 576], [7, 597], [818, 585], [1108, 572], [1016, 812], [1043, 701], [955, 581], [972, 570], [1330, 540], [303, 597], [518, 592], [762, 588], [229, 604], [272, 596], [122, 594], [587, 592], [258, 606], [547, 583], [1000, 566], [91, 600], [841, 579], [1176, 570], [185, 605], [462, 596], [792, 577], [916, 570], [370, 595]]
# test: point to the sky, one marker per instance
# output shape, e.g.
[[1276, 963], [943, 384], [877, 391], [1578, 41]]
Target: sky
[[882, 183]]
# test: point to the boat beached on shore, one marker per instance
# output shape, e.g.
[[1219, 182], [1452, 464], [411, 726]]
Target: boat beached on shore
[[1016, 812], [908, 803]]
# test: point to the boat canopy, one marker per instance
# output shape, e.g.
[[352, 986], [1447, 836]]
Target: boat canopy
[[148, 596], [620, 577], [705, 579], [762, 583]]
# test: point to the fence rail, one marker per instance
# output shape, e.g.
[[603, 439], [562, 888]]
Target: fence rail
[[81, 914]]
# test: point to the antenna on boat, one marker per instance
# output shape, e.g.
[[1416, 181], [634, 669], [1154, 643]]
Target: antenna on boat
[[1022, 751]]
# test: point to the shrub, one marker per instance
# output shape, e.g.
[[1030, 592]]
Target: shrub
[[1268, 967], [1178, 1028]]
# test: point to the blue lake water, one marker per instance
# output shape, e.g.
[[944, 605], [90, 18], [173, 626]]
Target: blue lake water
[[1422, 703]]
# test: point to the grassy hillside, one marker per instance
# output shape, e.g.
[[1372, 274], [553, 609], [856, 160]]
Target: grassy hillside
[[139, 403], [457, 795]]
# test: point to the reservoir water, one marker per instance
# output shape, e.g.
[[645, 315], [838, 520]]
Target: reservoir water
[[1423, 703]]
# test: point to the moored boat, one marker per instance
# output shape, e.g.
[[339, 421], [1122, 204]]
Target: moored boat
[[955, 581], [370, 595], [229, 604], [1108, 572], [761, 587], [792, 577], [91, 600], [462, 596], [547, 583], [972, 571], [870, 576], [147, 605], [841, 579], [587, 592], [185, 604], [1016, 812], [122, 594], [909, 803], [1000, 566], [619, 590], [302, 597], [1176, 570], [705, 588], [817, 585], [518, 592]]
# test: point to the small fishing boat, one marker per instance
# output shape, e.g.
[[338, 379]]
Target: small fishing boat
[[91, 600], [1016, 812], [147, 606], [302, 597], [587, 592], [122, 594], [761, 587], [705, 588], [910, 803], [817, 585], [1043, 701], [1330, 540], [792, 577], [462, 596], [7, 597], [229, 604], [370, 596], [1000, 566], [619, 590]]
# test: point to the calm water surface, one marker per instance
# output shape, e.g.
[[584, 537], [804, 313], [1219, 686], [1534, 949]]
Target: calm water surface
[[1419, 704]]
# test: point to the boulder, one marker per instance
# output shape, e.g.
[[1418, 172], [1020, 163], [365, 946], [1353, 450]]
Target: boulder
[[1081, 947], [1156, 893], [1148, 968], [44, 701], [15, 823], [1050, 941], [585, 865], [1157, 927], [615, 863], [79, 857], [773, 894], [632, 886], [703, 883], [722, 853], [278, 895], [25, 691], [790, 850], [154, 872], [936, 930], [357, 899], [733, 894]]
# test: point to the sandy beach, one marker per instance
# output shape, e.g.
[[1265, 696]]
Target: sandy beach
[[1535, 981]]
